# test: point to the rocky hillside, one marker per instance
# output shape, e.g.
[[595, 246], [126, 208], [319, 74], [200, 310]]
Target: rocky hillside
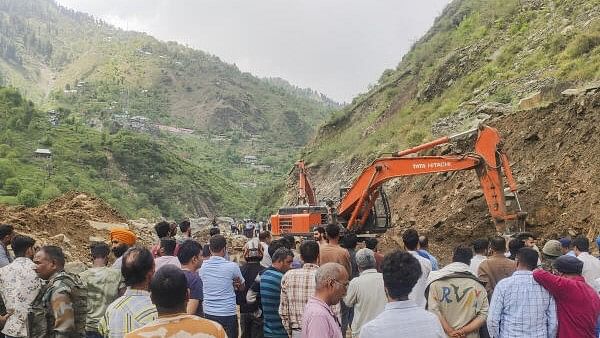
[[553, 152], [505, 62]]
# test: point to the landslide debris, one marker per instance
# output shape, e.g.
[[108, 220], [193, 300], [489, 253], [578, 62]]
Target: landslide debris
[[64, 221], [555, 157], [75, 219]]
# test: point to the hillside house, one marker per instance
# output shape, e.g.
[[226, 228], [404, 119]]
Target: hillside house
[[53, 117], [263, 168], [250, 159], [43, 153]]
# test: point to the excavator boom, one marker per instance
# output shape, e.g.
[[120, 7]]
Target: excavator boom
[[488, 161], [306, 193]]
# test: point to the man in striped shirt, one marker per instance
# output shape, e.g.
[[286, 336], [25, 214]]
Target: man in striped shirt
[[270, 292], [297, 286], [170, 293], [134, 309]]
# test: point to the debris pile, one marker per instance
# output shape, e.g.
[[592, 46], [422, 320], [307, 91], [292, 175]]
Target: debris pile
[[553, 151], [75, 219], [64, 221]]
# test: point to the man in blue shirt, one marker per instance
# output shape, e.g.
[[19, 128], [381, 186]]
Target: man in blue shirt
[[220, 279], [521, 307], [270, 292], [423, 252], [566, 247]]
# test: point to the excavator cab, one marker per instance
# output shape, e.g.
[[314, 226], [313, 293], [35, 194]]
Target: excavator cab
[[378, 219]]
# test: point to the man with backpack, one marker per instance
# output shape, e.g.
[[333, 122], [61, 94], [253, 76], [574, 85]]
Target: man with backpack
[[457, 297], [251, 319]]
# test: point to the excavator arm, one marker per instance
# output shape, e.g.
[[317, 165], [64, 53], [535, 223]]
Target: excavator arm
[[306, 193], [488, 161]]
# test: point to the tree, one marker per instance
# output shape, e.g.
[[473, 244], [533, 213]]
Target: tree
[[50, 192], [6, 171], [12, 186], [27, 198]]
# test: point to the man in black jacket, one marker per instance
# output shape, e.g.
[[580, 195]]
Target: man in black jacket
[[251, 320]]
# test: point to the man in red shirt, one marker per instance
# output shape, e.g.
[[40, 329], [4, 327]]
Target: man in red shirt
[[577, 304]]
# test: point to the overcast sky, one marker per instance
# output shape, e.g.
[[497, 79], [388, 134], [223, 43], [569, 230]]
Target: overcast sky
[[337, 47]]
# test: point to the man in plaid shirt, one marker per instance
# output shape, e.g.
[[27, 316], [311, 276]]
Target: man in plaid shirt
[[297, 286], [521, 307]]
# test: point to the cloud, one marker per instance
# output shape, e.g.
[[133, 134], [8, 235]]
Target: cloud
[[338, 47]]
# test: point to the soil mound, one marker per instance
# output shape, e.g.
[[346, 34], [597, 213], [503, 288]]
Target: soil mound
[[75, 219], [64, 221]]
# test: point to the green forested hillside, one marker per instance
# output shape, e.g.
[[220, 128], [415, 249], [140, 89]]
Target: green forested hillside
[[58, 56], [138, 176], [478, 54], [109, 103]]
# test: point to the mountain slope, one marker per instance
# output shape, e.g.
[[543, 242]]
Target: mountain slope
[[132, 172], [477, 52], [481, 61], [97, 68], [155, 128]]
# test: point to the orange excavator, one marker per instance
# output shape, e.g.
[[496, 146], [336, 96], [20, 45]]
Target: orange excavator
[[300, 219], [363, 208]]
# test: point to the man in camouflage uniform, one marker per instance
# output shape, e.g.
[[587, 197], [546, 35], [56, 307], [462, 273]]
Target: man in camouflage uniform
[[59, 310], [550, 252]]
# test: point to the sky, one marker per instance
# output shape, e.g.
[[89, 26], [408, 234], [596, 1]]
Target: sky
[[337, 47]]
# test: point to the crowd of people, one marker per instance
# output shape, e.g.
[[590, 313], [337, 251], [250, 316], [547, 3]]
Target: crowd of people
[[327, 286]]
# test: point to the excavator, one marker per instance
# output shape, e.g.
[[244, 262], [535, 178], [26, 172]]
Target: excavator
[[363, 208], [302, 218]]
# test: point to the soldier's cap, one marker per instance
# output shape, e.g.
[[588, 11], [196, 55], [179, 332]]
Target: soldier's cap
[[552, 248]]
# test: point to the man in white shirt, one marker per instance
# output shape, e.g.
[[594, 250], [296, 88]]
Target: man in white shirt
[[366, 292], [265, 240], [591, 264], [480, 247], [410, 238], [402, 317]]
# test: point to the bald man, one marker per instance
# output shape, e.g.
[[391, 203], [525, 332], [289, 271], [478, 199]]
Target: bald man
[[318, 319]]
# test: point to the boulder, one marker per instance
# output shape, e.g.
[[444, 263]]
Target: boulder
[[592, 86], [494, 109], [60, 238], [573, 92], [532, 101]]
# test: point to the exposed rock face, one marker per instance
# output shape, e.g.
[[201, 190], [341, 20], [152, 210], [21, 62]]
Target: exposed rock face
[[554, 156], [532, 101]]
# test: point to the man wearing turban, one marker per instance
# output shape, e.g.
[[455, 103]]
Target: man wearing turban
[[121, 240]]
